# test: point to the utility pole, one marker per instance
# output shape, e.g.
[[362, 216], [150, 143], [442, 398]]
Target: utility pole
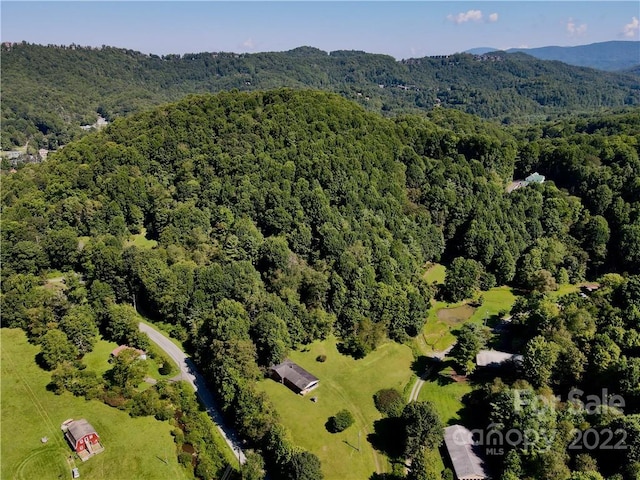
[[359, 432]]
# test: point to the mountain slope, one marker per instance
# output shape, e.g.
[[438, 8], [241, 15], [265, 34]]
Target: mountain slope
[[48, 91], [610, 56]]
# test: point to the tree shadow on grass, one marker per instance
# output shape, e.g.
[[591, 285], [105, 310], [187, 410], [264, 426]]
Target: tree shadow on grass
[[388, 437], [386, 476], [424, 364], [420, 364]]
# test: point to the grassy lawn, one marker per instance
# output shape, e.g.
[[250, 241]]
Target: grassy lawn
[[496, 300], [443, 318], [98, 361], [435, 273], [140, 448], [140, 240], [344, 383], [445, 393], [564, 289]]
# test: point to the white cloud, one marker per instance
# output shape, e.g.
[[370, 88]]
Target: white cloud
[[493, 17], [249, 44], [574, 30], [630, 30], [462, 17]]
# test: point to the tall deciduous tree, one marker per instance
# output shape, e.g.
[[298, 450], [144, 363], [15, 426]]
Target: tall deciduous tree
[[423, 427], [471, 338], [56, 349], [462, 279]]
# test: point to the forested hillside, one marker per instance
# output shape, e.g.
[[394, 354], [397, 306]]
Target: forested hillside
[[48, 91], [285, 216]]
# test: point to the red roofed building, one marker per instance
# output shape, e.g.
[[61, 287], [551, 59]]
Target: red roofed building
[[82, 437]]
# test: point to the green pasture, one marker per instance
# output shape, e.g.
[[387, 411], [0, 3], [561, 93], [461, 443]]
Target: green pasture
[[140, 448], [344, 383]]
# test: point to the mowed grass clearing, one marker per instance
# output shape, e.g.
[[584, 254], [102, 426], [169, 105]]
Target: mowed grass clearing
[[344, 383], [98, 361], [435, 273], [140, 240], [444, 318], [140, 448], [445, 393]]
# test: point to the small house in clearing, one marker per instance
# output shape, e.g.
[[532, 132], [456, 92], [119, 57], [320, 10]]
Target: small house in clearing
[[535, 177], [466, 462], [295, 377], [82, 437], [118, 350]]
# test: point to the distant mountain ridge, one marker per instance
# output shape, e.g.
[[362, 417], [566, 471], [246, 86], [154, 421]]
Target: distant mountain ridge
[[49, 91], [609, 56]]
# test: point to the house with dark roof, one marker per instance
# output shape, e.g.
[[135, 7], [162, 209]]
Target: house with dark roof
[[82, 437], [463, 452], [294, 376]]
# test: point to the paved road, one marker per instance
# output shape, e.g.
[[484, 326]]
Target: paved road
[[189, 373], [438, 356]]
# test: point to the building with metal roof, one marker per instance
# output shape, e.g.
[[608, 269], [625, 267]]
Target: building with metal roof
[[294, 376], [467, 463]]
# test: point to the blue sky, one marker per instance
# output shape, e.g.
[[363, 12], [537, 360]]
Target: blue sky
[[401, 29]]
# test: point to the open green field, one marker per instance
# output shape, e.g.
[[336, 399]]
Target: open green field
[[443, 318], [140, 448], [496, 301], [445, 393], [344, 383]]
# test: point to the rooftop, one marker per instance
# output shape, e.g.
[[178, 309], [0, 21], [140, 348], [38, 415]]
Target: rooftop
[[295, 374], [466, 462], [486, 358], [79, 428]]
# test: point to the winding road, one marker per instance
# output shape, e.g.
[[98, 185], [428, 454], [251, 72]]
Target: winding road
[[189, 373]]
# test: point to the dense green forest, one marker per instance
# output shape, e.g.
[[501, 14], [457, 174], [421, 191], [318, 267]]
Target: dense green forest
[[286, 216], [49, 91]]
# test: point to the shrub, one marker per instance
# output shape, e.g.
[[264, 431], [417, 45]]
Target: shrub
[[185, 459], [321, 358], [389, 402], [166, 368], [340, 422]]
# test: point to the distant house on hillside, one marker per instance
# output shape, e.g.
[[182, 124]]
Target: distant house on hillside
[[118, 350], [295, 377], [466, 461], [589, 287], [495, 358], [82, 437], [535, 177]]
